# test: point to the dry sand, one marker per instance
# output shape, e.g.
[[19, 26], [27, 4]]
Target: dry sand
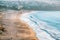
[[16, 29]]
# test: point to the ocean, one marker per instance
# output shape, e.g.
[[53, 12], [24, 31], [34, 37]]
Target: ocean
[[44, 20], [46, 24]]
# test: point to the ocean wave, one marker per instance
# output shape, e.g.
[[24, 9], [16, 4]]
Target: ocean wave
[[44, 23]]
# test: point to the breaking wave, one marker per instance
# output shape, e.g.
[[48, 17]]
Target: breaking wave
[[46, 24]]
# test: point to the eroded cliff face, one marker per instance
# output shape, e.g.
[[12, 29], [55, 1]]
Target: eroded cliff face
[[15, 28]]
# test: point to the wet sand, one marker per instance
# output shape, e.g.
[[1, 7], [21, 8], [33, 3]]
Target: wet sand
[[16, 29]]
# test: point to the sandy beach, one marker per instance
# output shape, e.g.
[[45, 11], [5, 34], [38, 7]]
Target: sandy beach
[[16, 29]]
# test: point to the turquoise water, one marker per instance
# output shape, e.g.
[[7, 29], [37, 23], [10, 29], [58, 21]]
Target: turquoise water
[[51, 17], [46, 24]]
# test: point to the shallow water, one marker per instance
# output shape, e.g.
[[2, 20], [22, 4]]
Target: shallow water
[[46, 24]]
